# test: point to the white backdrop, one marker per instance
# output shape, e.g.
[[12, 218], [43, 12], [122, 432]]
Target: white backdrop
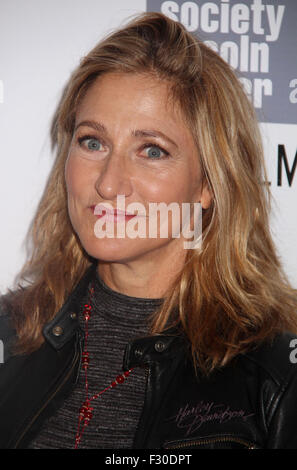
[[41, 41]]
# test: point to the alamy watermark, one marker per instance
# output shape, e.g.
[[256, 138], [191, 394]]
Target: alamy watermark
[[135, 221], [293, 353]]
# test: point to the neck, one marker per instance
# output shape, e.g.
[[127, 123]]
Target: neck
[[139, 279]]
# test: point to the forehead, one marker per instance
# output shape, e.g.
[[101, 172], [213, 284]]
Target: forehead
[[139, 95], [122, 85]]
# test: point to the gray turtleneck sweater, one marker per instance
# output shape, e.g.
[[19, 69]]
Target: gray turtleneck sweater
[[116, 319]]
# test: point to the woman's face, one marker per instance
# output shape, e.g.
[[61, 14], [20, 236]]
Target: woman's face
[[130, 141]]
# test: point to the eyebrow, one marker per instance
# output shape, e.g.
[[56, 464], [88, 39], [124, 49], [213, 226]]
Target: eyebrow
[[98, 126]]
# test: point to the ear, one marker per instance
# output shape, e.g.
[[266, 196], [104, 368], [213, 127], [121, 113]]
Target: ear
[[206, 195]]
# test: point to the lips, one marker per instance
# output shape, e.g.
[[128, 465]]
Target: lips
[[111, 215]]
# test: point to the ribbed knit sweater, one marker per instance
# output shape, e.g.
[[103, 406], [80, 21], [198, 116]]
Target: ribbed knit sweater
[[116, 319]]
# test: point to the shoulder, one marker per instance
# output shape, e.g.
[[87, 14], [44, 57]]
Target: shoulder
[[276, 362], [276, 357]]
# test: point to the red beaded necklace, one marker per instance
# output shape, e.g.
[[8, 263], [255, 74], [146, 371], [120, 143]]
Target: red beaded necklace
[[86, 410]]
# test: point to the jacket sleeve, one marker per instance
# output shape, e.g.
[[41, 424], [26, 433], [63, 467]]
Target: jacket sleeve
[[282, 427]]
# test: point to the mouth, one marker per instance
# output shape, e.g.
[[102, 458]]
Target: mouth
[[100, 210]]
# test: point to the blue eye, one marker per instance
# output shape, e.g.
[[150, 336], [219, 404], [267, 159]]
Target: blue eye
[[155, 152], [92, 143]]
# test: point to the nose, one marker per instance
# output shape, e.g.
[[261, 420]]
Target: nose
[[114, 177]]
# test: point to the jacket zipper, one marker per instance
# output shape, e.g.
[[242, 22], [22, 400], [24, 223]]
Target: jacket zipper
[[203, 441], [49, 399]]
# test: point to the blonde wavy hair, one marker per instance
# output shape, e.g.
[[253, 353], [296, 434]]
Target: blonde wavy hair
[[233, 293]]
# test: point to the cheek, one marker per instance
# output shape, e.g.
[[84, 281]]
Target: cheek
[[175, 186], [76, 176]]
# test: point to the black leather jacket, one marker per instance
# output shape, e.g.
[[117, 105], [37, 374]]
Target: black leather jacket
[[250, 403]]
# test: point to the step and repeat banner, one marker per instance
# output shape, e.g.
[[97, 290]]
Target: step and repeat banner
[[42, 41]]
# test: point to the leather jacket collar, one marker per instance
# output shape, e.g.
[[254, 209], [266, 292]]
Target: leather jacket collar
[[138, 352]]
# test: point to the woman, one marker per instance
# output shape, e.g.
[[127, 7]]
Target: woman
[[138, 342]]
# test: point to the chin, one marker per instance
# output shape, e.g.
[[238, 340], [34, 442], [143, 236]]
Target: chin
[[115, 250]]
